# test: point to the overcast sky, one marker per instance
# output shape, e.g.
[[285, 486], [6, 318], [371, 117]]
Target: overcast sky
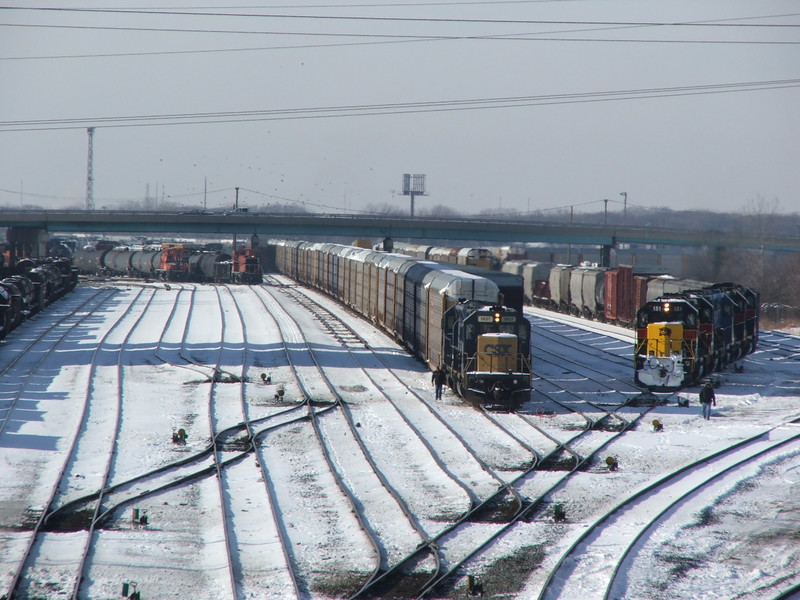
[[520, 105]]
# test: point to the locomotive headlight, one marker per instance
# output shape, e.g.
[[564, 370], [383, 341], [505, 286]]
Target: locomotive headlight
[[497, 317], [666, 306]]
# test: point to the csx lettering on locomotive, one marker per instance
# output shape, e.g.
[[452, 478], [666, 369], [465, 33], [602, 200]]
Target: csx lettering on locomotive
[[498, 349]]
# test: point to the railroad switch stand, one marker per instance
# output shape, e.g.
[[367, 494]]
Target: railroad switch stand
[[279, 393], [559, 514], [266, 378], [474, 586], [658, 426], [613, 463], [179, 437], [129, 590], [139, 519]]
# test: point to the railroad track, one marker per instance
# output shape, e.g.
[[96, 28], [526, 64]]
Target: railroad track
[[332, 373], [613, 535], [24, 582], [506, 503]]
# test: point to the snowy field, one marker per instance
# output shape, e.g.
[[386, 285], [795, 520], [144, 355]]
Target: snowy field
[[93, 391]]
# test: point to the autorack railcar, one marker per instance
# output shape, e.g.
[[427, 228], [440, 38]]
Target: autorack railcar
[[475, 257], [417, 302]]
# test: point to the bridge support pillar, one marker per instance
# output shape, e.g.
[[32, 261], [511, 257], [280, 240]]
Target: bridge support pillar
[[26, 242], [605, 256]]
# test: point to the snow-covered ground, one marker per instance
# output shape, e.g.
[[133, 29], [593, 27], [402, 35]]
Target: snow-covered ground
[[156, 351]]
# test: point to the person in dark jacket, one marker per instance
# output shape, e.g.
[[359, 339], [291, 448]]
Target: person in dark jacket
[[437, 379], [707, 399]]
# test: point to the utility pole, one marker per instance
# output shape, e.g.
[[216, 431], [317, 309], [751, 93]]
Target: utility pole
[[205, 192], [624, 207], [605, 212], [89, 173], [235, 210]]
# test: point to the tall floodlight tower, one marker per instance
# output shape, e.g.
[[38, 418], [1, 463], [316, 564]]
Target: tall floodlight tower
[[413, 185], [89, 174]]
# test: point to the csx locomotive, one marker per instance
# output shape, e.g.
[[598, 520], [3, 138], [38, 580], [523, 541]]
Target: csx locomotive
[[446, 317], [486, 354]]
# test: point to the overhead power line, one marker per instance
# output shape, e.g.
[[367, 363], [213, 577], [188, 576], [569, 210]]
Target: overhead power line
[[362, 110], [396, 39], [391, 38], [537, 37], [298, 16]]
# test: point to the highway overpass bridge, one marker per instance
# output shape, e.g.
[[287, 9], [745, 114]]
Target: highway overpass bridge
[[39, 224]]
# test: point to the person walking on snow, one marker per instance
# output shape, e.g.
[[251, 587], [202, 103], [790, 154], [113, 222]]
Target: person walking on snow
[[707, 399], [437, 379]]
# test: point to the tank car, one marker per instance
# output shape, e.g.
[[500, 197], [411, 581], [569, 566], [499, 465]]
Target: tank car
[[145, 262], [205, 266], [51, 281], [118, 262], [69, 273], [89, 260], [29, 286], [475, 257], [486, 353]]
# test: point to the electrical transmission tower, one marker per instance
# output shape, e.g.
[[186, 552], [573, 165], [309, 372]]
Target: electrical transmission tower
[[89, 174]]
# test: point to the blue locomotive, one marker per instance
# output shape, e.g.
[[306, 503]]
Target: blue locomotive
[[486, 353], [682, 337]]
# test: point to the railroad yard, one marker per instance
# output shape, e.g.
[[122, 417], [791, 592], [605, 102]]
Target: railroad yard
[[226, 442]]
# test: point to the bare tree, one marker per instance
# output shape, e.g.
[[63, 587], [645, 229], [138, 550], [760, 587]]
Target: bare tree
[[386, 209], [440, 210]]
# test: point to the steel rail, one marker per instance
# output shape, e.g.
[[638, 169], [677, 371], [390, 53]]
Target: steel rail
[[17, 577], [23, 352], [271, 305], [114, 442], [714, 476], [676, 473]]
